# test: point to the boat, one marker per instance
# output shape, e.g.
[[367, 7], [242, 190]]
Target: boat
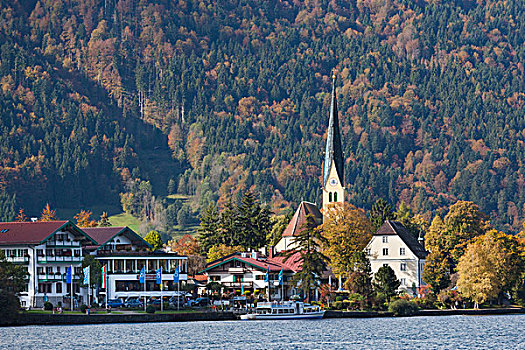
[[286, 310]]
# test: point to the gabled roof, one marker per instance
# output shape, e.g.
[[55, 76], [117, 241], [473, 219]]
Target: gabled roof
[[390, 227], [294, 262], [260, 264], [103, 235], [36, 232], [333, 151], [295, 226]]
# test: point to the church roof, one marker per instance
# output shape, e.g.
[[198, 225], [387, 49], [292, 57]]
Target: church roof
[[295, 226], [390, 227], [334, 151]]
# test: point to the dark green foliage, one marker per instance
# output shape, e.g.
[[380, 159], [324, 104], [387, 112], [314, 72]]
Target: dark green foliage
[[245, 225], [9, 307], [95, 273], [83, 308], [48, 306], [381, 211], [386, 283], [402, 307], [150, 309], [308, 242], [430, 94], [12, 276], [360, 279], [8, 206]]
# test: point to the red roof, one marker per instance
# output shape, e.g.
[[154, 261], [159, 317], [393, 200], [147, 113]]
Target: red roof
[[103, 234], [293, 263], [31, 232], [274, 264], [295, 226]]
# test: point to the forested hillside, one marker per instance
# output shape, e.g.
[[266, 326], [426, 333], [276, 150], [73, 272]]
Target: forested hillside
[[431, 97]]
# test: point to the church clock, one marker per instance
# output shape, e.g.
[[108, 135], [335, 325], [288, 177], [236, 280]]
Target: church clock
[[333, 181]]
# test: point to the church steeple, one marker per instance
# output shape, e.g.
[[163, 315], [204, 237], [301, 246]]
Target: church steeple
[[333, 167], [333, 153]]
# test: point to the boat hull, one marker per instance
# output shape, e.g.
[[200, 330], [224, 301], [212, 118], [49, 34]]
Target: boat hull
[[313, 315]]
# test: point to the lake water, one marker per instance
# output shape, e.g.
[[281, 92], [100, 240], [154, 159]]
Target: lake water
[[446, 332]]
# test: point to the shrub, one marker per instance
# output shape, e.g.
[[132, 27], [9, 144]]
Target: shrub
[[94, 305], [150, 309], [337, 305], [48, 306], [339, 298], [9, 306], [83, 308], [402, 307]]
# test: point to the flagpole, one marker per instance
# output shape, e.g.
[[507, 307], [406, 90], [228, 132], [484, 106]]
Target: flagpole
[[89, 288], [161, 287], [106, 281], [145, 300], [71, 267]]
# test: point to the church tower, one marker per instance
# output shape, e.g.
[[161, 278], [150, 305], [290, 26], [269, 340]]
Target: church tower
[[333, 167]]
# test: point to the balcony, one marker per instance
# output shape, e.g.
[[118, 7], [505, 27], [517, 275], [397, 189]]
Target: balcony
[[237, 284], [47, 259], [67, 244], [18, 259], [54, 277], [236, 270]]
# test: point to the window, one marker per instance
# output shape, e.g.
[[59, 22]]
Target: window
[[385, 251], [401, 251], [403, 281], [259, 277], [368, 251], [385, 239], [385, 265], [403, 267], [49, 270], [58, 287], [330, 197], [335, 196]]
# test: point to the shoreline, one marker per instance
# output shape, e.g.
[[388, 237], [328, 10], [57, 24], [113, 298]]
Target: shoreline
[[79, 319]]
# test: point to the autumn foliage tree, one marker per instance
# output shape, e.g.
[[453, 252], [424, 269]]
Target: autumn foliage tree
[[48, 214], [186, 245], [83, 219], [491, 264], [222, 250], [346, 230]]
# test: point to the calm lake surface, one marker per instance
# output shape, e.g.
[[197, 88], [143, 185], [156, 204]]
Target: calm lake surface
[[447, 332]]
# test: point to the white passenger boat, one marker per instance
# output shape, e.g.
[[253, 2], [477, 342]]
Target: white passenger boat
[[284, 311]]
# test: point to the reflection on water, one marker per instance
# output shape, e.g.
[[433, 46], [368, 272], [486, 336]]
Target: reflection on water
[[447, 332]]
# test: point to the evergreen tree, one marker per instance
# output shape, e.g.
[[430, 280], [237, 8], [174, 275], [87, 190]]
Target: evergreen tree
[[104, 220], [386, 283], [313, 261], [381, 211], [209, 229]]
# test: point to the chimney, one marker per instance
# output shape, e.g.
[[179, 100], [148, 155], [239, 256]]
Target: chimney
[[270, 251], [421, 238]]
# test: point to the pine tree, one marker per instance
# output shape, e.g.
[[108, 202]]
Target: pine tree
[[385, 282], [313, 261], [104, 220], [208, 231], [381, 211]]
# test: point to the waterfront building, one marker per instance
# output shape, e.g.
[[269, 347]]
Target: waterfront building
[[394, 246], [125, 253], [247, 271], [46, 249]]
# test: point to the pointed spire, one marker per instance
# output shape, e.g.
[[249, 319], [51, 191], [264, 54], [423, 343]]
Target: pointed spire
[[333, 152]]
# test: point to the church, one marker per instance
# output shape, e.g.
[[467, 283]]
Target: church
[[391, 245]]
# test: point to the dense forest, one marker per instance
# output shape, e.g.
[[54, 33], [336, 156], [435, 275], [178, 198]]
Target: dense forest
[[125, 101]]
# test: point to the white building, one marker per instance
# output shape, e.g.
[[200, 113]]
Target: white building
[[46, 249], [248, 270], [394, 246], [125, 253]]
